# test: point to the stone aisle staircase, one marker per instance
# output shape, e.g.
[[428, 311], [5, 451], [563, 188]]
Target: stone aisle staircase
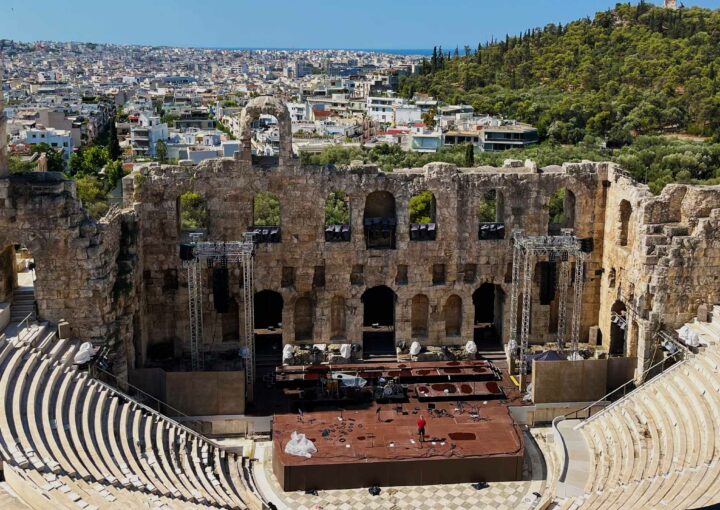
[[23, 304]]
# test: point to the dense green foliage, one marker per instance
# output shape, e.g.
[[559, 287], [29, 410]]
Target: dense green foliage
[[654, 160], [266, 209], [487, 210], [557, 207], [636, 69], [337, 211], [193, 213], [422, 207]]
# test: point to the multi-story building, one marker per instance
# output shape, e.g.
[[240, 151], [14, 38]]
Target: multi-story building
[[144, 136], [55, 138], [380, 109]]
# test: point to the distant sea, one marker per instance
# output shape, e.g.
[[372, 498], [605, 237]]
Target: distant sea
[[372, 50]]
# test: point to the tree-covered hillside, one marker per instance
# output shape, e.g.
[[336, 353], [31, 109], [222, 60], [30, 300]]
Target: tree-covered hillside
[[633, 70]]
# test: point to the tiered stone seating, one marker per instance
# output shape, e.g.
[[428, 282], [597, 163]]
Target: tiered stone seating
[[660, 446], [72, 442]]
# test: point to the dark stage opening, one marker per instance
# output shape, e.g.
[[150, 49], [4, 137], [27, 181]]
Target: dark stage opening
[[617, 332], [488, 302], [379, 321], [268, 310]]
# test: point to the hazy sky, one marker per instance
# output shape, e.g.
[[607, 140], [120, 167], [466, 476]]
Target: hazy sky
[[288, 23]]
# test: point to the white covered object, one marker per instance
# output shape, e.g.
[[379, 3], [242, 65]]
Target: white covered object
[[415, 348], [470, 347], [689, 336], [349, 380], [287, 352], [84, 354], [346, 350], [300, 446]]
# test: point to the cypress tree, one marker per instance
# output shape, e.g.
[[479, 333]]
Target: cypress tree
[[469, 155]]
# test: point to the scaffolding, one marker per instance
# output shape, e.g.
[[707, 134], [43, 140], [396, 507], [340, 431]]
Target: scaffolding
[[223, 253], [527, 251]]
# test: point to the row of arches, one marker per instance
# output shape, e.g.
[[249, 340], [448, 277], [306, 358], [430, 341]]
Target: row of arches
[[380, 210], [379, 312]]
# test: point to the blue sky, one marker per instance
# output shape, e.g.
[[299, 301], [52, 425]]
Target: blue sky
[[288, 23]]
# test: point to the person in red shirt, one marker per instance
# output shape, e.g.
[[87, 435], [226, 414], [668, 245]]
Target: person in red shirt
[[421, 428]]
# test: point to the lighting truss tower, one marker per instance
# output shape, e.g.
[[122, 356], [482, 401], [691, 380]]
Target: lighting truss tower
[[238, 252], [526, 251]]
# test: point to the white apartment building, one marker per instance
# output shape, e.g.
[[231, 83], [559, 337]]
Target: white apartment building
[[146, 134], [380, 109], [56, 138]]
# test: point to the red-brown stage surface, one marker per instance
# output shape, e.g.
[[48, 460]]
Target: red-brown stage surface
[[377, 444]]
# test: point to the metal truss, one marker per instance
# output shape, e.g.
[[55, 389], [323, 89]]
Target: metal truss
[[563, 284], [223, 253], [527, 251]]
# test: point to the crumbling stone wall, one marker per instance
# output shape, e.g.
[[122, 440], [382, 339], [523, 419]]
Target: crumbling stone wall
[[76, 256], [229, 186], [670, 264]]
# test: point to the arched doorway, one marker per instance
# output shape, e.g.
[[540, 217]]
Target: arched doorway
[[618, 328], [378, 321], [268, 330], [17, 283], [488, 302]]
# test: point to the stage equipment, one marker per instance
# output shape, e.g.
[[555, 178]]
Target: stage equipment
[[562, 249], [231, 252]]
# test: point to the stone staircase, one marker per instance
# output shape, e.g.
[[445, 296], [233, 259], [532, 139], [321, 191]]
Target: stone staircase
[[23, 304]]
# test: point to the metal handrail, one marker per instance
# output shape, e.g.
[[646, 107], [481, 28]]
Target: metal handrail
[[21, 329], [190, 431], [605, 398]]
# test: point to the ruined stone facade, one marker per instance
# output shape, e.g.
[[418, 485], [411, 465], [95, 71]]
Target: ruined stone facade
[[122, 277]]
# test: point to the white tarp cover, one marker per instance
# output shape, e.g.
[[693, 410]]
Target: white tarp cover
[[470, 347], [84, 354], [346, 350], [689, 336], [300, 446], [287, 352], [352, 381], [415, 348]]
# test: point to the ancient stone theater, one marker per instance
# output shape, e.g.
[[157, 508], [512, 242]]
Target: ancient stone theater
[[252, 332]]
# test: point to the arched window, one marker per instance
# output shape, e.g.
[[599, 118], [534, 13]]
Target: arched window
[[337, 318], [266, 120], [423, 222], [490, 214], [266, 218], [303, 318], [625, 212], [419, 311], [561, 211], [452, 314], [337, 217], [380, 220], [192, 213]]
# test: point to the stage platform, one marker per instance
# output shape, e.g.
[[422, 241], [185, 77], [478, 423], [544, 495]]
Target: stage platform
[[377, 444]]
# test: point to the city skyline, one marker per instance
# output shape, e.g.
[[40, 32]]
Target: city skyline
[[314, 25]]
